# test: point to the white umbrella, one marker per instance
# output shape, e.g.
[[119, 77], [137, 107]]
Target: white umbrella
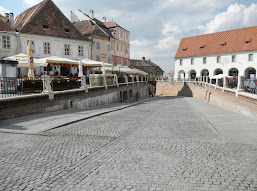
[[220, 76], [93, 63], [80, 69], [23, 61], [58, 60]]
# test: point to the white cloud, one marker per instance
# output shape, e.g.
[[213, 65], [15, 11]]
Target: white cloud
[[236, 16], [32, 2], [140, 43], [169, 29], [3, 10], [168, 43]]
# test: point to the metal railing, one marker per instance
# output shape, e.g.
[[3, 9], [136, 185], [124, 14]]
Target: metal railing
[[10, 87]]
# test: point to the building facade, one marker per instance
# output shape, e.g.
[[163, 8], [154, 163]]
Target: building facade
[[8, 38], [96, 31], [153, 70], [231, 53], [52, 34], [120, 44]]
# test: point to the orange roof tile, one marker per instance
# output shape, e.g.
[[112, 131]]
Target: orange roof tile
[[238, 40], [5, 27]]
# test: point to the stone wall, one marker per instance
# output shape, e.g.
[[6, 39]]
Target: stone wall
[[72, 99], [227, 99]]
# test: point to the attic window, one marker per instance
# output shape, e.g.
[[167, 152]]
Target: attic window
[[202, 47], [224, 44], [67, 30], [248, 41], [45, 26], [184, 49]]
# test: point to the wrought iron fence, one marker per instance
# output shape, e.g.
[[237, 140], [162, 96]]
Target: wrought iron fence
[[10, 87], [59, 84], [121, 80]]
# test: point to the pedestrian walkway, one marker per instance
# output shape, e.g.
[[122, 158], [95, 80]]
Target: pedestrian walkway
[[42, 122], [236, 127], [166, 143]]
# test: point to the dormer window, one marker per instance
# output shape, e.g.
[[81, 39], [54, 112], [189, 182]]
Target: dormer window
[[67, 30], [45, 26], [224, 44], [184, 49], [248, 41], [202, 47]]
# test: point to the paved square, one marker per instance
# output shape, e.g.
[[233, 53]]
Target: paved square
[[163, 144]]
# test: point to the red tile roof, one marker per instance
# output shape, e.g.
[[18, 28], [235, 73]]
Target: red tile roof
[[5, 27], [47, 13], [238, 40], [110, 24]]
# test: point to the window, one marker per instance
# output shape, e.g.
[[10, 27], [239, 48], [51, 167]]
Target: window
[[97, 58], [108, 48], [180, 62], [67, 30], [121, 48], [98, 45], [121, 34], [112, 46], [45, 26], [81, 50], [204, 60], [118, 61], [33, 43], [250, 57], [118, 48], [218, 59], [47, 48], [66, 49], [192, 61], [6, 42], [109, 59], [127, 51], [127, 63], [224, 44], [112, 61], [233, 58], [121, 61]]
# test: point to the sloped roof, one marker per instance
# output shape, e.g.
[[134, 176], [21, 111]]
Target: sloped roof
[[145, 65], [3, 18], [5, 27], [244, 39], [96, 27], [111, 25], [47, 13]]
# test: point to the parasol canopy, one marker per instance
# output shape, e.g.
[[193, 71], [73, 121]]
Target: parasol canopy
[[93, 63], [58, 60], [23, 61]]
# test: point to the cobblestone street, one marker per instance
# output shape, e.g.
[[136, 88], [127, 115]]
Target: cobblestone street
[[162, 144]]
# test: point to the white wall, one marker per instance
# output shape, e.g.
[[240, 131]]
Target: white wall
[[241, 63], [5, 52], [57, 48]]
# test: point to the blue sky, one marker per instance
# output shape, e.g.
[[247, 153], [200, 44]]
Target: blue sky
[[156, 26]]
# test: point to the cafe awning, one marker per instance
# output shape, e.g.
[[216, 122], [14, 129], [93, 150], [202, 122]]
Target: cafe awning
[[93, 63], [23, 61], [55, 60]]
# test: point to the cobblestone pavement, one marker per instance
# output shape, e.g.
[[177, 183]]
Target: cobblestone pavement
[[164, 144]]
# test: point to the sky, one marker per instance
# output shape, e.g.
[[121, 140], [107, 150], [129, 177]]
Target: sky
[[156, 26]]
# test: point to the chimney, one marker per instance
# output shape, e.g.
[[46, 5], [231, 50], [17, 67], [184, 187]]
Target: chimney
[[11, 20], [143, 58], [149, 60], [104, 19], [91, 15]]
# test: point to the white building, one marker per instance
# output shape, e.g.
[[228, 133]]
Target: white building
[[52, 34], [8, 38], [231, 53]]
